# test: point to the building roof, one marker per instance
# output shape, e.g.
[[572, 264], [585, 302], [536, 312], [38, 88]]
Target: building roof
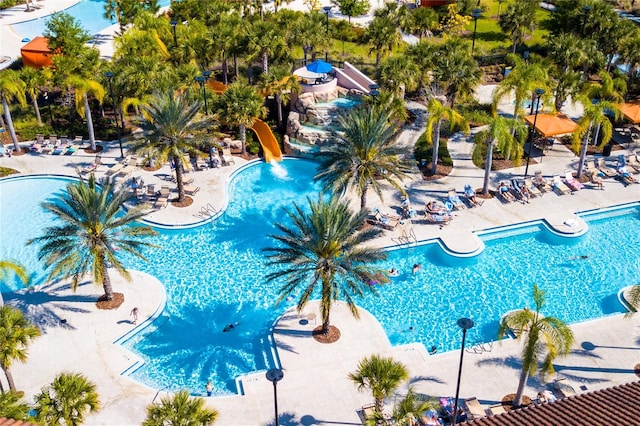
[[618, 405], [11, 422], [38, 44]]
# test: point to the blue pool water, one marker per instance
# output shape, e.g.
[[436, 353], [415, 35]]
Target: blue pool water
[[342, 102], [90, 13], [214, 274]]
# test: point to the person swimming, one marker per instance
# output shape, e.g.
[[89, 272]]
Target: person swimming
[[584, 256], [433, 350], [229, 327], [393, 272], [416, 267]]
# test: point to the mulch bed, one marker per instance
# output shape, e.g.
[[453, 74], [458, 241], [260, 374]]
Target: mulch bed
[[19, 153], [331, 336], [152, 169], [185, 203], [441, 171], [507, 401], [99, 148], [115, 303]]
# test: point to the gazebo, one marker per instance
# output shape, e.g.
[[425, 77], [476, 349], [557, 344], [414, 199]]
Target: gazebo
[[631, 111], [552, 125]]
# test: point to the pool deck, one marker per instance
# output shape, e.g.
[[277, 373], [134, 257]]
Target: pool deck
[[315, 389]]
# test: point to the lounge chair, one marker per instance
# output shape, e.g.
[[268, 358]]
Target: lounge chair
[[59, 149], [455, 200], [497, 409], [563, 388], [201, 164], [47, 149], [595, 178], [470, 194], [572, 182], [126, 171], [115, 169], [559, 187], [53, 139], [78, 140], [439, 218], [633, 162], [227, 158], [191, 190], [436, 207], [385, 221], [591, 167], [474, 408], [541, 182], [504, 192], [624, 175], [161, 202], [36, 147], [71, 149], [608, 171], [533, 190], [40, 138], [90, 168]]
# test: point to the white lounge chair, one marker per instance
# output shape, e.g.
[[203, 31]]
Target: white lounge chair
[[559, 187]]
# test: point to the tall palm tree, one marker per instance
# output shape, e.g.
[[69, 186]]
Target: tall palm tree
[[398, 74], [455, 70], [174, 127], [381, 375], [279, 83], [594, 116], [11, 88], [265, 40], [33, 79], [545, 338], [83, 88], [93, 234], [383, 36], [437, 114], [366, 150], [16, 333], [611, 89], [519, 18], [326, 250], [411, 407], [180, 410], [503, 133], [239, 106], [67, 401], [7, 267]]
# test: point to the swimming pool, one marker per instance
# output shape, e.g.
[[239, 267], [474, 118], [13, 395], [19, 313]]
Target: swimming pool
[[90, 13], [214, 274]]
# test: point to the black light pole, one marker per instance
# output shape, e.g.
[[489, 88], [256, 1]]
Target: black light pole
[[525, 55], [306, 49], [46, 98], [539, 92], [175, 38], [206, 74], [327, 10], [374, 92], [274, 375], [465, 324], [476, 15], [109, 75]]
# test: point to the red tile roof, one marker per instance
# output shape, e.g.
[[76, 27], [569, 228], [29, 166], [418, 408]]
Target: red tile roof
[[618, 405], [11, 422]]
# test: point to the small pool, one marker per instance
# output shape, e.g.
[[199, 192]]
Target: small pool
[[90, 13], [342, 102], [214, 274]]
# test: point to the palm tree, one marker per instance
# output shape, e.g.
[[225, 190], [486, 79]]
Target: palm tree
[[16, 333], [264, 40], [517, 19], [33, 79], [67, 401], [174, 127], [93, 234], [547, 337], [326, 247], [367, 151], [83, 88], [411, 407], [455, 69], [398, 74], [281, 84], [380, 375], [594, 115], [383, 36], [7, 267], [13, 407], [503, 133], [611, 89], [437, 114], [11, 88], [180, 410], [239, 106]]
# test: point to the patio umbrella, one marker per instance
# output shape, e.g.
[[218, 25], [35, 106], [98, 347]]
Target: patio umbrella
[[552, 125], [319, 66], [631, 111]]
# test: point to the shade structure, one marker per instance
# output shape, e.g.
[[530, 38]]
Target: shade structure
[[552, 125], [319, 66], [36, 53], [631, 111]]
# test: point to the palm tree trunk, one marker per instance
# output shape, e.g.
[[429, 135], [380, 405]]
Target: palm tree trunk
[[363, 197], [583, 151], [279, 102], [235, 65], [1, 387], [379, 405], [36, 109], [487, 168], [7, 373], [517, 400], [179, 181], [596, 135], [12, 131], [265, 63], [436, 147], [106, 280], [225, 70], [243, 138], [87, 113]]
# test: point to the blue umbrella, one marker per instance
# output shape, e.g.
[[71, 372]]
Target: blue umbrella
[[319, 66]]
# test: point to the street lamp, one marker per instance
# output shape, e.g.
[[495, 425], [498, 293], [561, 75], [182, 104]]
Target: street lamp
[[539, 93], [175, 38], [46, 98], [465, 324], [109, 75], [202, 79], [374, 92], [327, 10], [274, 375], [475, 15], [306, 49]]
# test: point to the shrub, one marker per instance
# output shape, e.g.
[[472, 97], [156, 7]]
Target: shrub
[[424, 151]]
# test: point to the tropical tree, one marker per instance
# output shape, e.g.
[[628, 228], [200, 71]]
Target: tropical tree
[[423, 21], [125, 11], [264, 40], [11, 88], [33, 79], [16, 333], [455, 70], [326, 250], [8, 267], [67, 400], [13, 407], [411, 407], [503, 133], [365, 153], [545, 338], [174, 126], [65, 34], [381, 375], [180, 410], [280, 84], [93, 235], [383, 36], [239, 106], [83, 87], [519, 18], [437, 114], [352, 7], [399, 74]]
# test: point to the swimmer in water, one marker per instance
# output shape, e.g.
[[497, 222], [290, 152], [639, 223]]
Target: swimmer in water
[[584, 256], [393, 272], [229, 327], [416, 267]]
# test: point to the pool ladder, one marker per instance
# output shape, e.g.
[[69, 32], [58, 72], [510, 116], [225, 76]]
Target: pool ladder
[[206, 212], [406, 237]]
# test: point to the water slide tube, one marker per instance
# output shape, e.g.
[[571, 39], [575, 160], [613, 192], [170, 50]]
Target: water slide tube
[[268, 141]]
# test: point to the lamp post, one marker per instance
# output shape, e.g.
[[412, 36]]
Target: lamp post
[[525, 55], [175, 38], [327, 10], [109, 75], [374, 92], [539, 92], [476, 15], [274, 375], [306, 48], [46, 98], [465, 324]]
